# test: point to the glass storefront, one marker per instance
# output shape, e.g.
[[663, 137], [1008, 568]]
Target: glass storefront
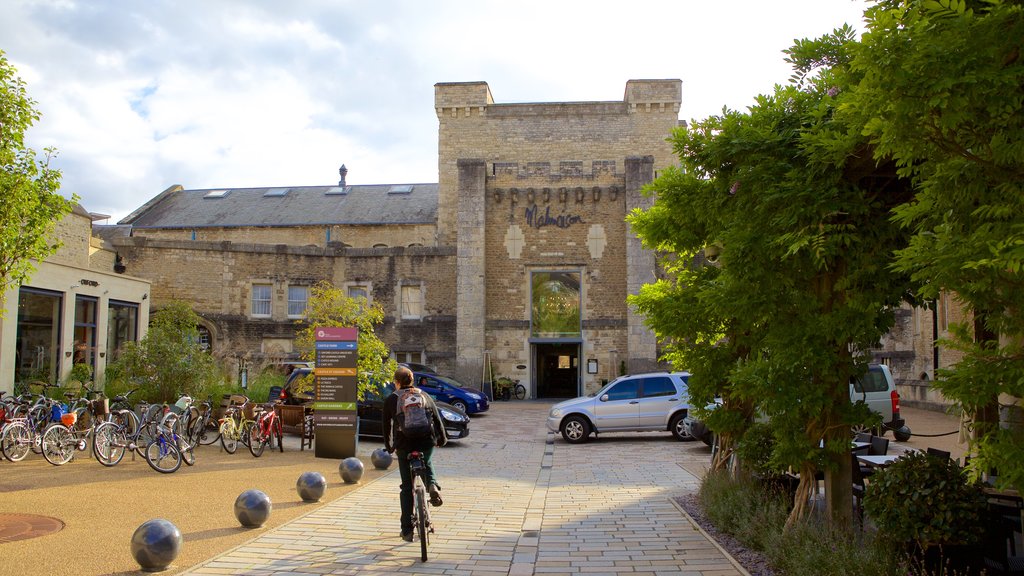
[[85, 332], [122, 326], [38, 340]]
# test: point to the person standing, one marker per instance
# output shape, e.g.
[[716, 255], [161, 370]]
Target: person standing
[[402, 437]]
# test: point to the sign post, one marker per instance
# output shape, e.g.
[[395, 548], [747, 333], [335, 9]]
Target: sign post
[[335, 412]]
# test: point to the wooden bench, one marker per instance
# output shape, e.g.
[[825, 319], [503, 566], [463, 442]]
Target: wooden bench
[[294, 421]]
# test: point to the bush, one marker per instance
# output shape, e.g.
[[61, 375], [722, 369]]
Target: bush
[[925, 501]]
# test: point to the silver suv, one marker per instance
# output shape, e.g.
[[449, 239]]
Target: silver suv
[[877, 389], [634, 403]]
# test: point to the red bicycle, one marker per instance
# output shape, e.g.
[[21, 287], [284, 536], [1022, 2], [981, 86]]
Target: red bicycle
[[267, 428]]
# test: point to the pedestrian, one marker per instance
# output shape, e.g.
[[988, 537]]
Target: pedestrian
[[402, 409]]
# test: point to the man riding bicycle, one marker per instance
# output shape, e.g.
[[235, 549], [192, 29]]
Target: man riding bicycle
[[403, 434]]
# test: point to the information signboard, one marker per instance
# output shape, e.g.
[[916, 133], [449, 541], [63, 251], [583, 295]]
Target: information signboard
[[335, 411]]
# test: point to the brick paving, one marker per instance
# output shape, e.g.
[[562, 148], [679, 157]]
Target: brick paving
[[517, 500]]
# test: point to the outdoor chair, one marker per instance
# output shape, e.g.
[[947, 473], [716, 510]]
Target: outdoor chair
[[858, 491], [863, 437], [938, 453], [879, 446]]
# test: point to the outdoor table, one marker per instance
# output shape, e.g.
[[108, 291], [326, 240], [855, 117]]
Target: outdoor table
[[878, 461]]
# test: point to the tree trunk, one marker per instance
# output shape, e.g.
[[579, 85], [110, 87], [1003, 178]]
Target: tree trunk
[[839, 492]]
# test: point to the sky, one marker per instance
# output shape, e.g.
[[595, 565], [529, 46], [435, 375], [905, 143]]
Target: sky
[[138, 96]]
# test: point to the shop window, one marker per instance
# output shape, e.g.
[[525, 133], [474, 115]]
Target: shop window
[[261, 300], [298, 297], [84, 351], [412, 302], [122, 326], [555, 305], [38, 340]]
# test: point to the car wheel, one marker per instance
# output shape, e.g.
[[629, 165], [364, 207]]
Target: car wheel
[[460, 405], [678, 428], [576, 430], [901, 434], [861, 429]]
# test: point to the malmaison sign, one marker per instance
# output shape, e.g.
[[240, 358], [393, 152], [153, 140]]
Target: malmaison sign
[[537, 219]]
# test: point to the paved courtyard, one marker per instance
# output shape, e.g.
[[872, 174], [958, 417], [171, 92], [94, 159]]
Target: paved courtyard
[[517, 500]]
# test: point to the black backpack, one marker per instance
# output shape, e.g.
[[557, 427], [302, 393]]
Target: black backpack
[[412, 417]]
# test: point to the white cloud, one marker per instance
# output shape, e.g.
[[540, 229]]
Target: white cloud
[[141, 95]]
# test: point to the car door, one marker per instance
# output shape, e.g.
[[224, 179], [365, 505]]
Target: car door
[[659, 397], [873, 389], [371, 411], [618, 408], [434, 387]]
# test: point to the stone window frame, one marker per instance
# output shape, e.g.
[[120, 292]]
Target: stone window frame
[[414, 286], [305, 301], [364, 284], [269, 285]]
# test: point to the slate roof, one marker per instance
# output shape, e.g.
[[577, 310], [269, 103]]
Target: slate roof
[[298, 206]]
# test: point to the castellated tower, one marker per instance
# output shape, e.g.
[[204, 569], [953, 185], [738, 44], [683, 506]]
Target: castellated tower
[[544, 188]]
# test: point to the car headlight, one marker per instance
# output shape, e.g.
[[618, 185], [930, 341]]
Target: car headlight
[[452, 416], [556, 413], [474, 396]]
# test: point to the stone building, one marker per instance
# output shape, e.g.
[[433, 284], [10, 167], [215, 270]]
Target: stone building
[[78, 307], [517, 262]]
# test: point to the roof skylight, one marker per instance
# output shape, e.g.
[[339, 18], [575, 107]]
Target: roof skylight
[[276, 192], [216, 194], [400, 189]]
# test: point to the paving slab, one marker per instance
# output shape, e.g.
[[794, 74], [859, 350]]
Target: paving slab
[[517, 500]]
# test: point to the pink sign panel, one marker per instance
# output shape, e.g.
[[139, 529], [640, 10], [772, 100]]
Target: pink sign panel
[[334, 333]]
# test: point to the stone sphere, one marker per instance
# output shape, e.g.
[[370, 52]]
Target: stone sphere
[[252, 508], [155, 544], [351, 470], [311, 486], [381, 459]]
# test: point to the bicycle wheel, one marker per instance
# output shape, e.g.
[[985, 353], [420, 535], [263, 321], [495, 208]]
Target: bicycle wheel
[[16, 441], [58, 444], [245, 433], [520, 392], [109, 443], [163, 456], [229, 436], [422, 520], [257, 441], [188, 455]]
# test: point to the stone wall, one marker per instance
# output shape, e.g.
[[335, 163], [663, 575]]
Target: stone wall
[[361, 236]]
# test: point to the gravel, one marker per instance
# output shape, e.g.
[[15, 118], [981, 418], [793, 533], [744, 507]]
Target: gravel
[[753, 561]]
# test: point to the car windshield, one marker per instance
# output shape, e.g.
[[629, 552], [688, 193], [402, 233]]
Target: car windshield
[[450, 381]]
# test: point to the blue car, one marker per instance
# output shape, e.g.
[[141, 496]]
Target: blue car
[[447, 389]]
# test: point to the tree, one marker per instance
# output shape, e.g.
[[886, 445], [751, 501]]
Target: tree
[[30, 205], [169, 360], [941, 95], [328, 306], [803, 289]]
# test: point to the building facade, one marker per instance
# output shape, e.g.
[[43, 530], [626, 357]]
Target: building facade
[[516, 263], [78, 307]]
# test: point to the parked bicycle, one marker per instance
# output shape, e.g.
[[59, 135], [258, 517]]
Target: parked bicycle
[[420, 511], [202, 429], [126, 430], [169, 448], [507, 388], [61, 439], [267, 429], [237, 423]]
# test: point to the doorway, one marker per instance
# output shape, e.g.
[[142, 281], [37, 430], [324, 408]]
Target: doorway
[[557, 370]]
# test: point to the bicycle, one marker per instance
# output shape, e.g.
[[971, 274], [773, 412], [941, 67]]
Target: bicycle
[[420, 511], [22, 433], [163, 453], [267, 428], [125, 431], [199, 430], [506, 389], [61, 439], [236, 425]]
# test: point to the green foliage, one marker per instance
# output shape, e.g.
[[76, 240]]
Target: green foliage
[[168, 360], [940, 96], [755, 450], [30, 203], [801, 284], [925, 501], [755, 514], [328, 306], [80, 373]]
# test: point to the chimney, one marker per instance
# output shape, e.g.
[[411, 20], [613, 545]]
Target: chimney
[[343, 172]]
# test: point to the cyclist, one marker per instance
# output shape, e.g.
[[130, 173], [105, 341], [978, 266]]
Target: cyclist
[[397, 442]]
